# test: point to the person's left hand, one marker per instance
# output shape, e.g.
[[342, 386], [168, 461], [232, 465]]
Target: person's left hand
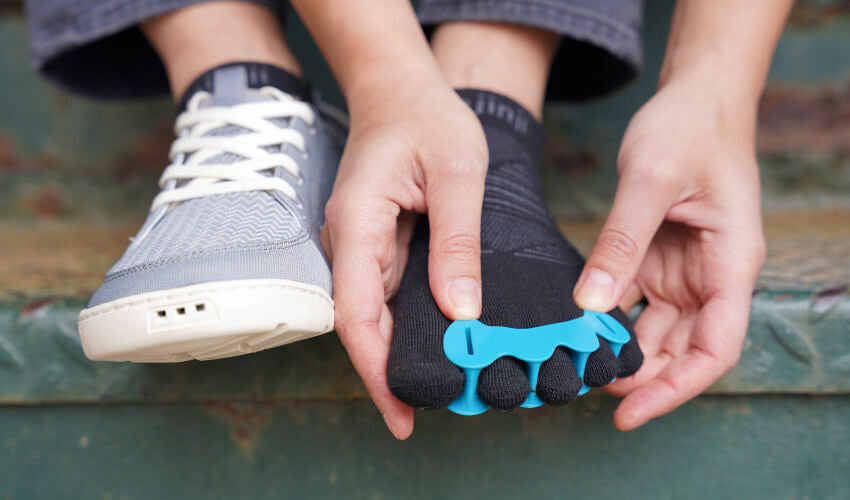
[[685, 232]]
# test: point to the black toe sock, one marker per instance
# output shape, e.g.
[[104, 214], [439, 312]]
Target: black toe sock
[[528, 274], [630, 358], [555, 383], [418, 371], [601, 367], [504, 384]]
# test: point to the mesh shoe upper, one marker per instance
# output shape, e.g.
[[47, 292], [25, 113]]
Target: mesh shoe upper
[[216, 235]]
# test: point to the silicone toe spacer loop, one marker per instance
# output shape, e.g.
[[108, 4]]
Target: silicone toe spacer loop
[[472, 345]]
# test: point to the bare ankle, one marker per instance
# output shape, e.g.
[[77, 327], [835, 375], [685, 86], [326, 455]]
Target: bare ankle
[[509, 59], [195, 39]]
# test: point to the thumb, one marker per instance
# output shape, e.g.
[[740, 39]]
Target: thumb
[[454, 198], [638, 210]]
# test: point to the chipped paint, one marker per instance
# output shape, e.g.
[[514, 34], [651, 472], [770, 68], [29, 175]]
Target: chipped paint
[[8, 154], [48, 202], [145, 156], [246, 421], [804, 119], [567, 159], [36, 306], [825, 301], [813, 14]]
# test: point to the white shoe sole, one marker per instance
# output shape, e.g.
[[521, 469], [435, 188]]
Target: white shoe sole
[[205, 321]]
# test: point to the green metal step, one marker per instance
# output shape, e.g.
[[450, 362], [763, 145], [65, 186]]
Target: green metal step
[[780, 448], [797, 339], [76, 177]]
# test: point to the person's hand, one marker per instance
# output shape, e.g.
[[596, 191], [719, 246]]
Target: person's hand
[[414, 147], [685, 233]]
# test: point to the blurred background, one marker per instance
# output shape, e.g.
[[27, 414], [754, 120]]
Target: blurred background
[[76, 178]]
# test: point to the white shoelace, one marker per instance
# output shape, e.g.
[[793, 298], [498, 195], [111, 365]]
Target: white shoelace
[[197, 177]]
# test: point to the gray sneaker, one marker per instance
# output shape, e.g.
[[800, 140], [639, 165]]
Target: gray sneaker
[[228, 261]]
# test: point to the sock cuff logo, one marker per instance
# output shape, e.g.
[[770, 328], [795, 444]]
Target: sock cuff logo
[[488, 104]]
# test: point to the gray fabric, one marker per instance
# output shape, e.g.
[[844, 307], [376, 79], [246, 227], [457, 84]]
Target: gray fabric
[[601, 50], [302, 262], [241, 235], [213, 223], [94, 47]]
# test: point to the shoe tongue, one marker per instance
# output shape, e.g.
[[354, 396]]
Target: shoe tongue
[[230, 87], [239, 82]]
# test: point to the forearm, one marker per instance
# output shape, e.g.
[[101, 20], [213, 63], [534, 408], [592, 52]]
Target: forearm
[[728, 44], [371, 47]]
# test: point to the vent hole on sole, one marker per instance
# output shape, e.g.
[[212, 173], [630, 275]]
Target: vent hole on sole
[[200, 307], [181, 310], [161, 314]]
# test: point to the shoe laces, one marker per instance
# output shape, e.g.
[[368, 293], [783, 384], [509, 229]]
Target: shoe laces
[[207, 162]]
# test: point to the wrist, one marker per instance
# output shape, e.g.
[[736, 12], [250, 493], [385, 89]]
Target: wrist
[[734, 100], [384, 47], [391, 88], [714, 75]]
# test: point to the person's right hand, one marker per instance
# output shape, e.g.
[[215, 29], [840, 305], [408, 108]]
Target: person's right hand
[[414, 147]]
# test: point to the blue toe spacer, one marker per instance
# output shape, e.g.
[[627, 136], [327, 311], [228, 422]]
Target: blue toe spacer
[[472, 345]]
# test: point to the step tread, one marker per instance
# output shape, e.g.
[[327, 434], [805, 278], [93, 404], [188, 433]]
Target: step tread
[[796, 342], [806, 251]]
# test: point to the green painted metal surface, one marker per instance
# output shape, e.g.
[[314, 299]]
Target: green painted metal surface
[[798, 343], [771, 448], [76, 177]]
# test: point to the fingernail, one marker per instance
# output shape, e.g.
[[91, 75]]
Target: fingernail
[[596, 291], [389, 425], [465, 297]]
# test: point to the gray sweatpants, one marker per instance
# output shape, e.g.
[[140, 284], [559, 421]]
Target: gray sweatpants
[[94, 47]]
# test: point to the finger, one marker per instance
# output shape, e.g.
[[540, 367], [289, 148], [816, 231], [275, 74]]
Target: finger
[[406, 226], [363, 321], [325, 240], [639, 208], [653, 325], [404, 233], [632, 296], [454, 198], [364, 326], [651, 367], [715, 348]]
